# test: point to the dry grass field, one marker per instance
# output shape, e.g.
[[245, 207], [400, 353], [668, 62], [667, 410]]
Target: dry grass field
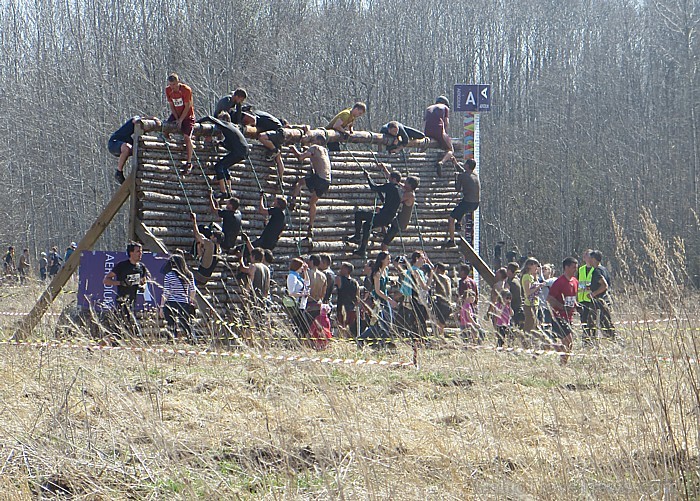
[[615, 423]]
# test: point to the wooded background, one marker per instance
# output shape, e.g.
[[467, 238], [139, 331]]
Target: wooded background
[[594, 102]]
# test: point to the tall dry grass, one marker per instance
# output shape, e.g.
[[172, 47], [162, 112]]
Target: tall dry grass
[[616, 423]]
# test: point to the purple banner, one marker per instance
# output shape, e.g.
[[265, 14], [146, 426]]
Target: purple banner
[[95, 265]]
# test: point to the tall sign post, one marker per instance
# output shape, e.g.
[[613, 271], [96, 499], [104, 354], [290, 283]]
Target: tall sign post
[[473, 100]]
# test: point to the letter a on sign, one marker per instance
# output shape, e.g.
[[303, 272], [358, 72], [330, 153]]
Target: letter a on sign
[[472, 98]]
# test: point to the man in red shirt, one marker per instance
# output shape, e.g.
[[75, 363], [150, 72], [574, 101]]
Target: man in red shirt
[[562, 300], [181, 105]]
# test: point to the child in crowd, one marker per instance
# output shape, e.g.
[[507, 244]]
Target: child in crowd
[[501, 317], [471, 331]]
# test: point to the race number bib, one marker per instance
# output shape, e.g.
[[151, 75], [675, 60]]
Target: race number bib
[[177, 102], [570, 301], [133, 279]]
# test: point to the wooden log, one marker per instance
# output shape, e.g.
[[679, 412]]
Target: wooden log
[[28, 323], [294, 135], [476, 261]]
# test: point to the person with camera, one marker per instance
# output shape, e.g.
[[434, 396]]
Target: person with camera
[[129, 276]]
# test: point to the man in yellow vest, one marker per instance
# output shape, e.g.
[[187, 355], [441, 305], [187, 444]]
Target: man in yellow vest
[[585, 274]]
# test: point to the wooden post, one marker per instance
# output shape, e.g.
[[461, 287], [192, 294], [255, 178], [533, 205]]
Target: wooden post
[[28, 323], [131, 181], [475, 260]]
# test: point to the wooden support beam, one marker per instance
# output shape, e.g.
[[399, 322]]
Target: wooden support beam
[[476, 261], [28, 323]]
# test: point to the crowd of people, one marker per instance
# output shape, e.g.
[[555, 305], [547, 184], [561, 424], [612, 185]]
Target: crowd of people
[[25, 268], [407, 298]]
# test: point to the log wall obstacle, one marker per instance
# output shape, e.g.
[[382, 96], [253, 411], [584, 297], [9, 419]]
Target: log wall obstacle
[[163, 197]]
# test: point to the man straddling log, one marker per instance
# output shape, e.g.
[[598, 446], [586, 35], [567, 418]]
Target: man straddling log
[[234, 143]]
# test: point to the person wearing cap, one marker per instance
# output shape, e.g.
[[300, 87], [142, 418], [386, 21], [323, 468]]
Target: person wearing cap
[[43, 265], [121, 145], [437, 123], [344, 121], [69, 250]]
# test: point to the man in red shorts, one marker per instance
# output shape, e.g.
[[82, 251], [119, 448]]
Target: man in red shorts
[[181, 104], [562, 300], [437, 122]]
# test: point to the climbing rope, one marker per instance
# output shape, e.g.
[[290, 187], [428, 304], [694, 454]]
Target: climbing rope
[[206, 178], [420, 234], [179, 179]]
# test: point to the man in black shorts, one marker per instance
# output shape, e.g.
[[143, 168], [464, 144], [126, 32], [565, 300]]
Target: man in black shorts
[[121, 145], [231, 220], [270, 135], [317, 182], [468, 184], [365, 220], [274, 227], [235, 144], [129, 277]]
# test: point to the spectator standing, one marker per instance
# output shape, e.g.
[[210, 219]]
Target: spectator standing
[[531, 289], [348, 296], [178, 299], [55, 262], [43, 266], [587, 310], [442, 294], [9, 261], [516, 292], [24, 266], [129, 276], [382, 316], [600, 294], [298, 290], [502, 317]]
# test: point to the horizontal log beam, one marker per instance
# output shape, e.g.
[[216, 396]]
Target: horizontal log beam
[[294, 135]]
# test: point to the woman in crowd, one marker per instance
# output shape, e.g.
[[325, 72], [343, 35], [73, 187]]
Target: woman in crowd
[[531, 289], [177, 303], [382, 316], [298, 284]]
